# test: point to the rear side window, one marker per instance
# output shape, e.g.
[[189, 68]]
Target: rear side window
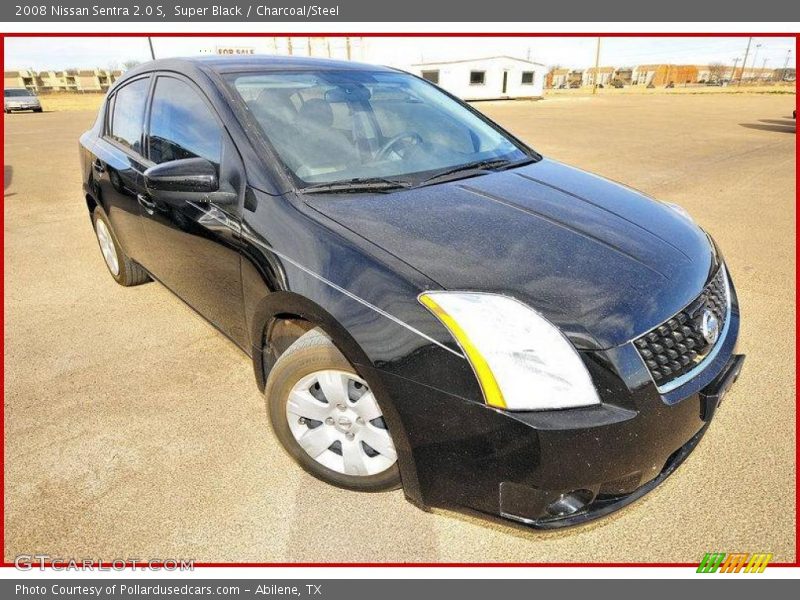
[[127, 115], [181, 124]]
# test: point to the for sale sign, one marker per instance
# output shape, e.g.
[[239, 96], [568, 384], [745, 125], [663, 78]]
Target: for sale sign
[[235, 50]]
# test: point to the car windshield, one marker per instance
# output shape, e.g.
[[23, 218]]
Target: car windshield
[[17, 93], [379, 126]]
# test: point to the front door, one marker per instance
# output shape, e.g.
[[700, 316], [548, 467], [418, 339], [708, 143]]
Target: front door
[[118, 164], [193, 246]]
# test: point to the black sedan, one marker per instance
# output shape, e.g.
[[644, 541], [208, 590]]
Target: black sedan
[[427, 301]]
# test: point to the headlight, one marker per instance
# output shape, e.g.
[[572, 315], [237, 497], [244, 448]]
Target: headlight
[[522, 361]]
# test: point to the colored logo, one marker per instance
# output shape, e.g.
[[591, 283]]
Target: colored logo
[[719, 562]]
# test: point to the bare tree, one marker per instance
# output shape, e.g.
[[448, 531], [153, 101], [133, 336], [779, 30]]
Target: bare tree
[[129, 64], [716, 71]]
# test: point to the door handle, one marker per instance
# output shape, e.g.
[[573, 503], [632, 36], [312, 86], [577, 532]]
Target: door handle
[[98, 166], [146, 204]]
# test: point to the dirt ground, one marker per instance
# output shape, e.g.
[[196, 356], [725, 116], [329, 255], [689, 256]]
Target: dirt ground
[[134, 429], [70, 101], [66, 101]]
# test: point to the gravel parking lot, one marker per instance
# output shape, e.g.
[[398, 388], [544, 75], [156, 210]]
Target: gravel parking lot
[[133, 429]]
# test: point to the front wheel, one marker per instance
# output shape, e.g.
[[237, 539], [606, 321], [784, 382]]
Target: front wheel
[[328, 419]]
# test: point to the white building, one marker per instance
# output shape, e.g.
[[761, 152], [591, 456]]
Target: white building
[[490, 78], [601, 76]]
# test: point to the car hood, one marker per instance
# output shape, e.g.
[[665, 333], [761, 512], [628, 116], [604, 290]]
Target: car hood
[[600, 260]]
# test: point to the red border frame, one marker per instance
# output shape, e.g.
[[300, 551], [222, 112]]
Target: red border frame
[[796, 562]]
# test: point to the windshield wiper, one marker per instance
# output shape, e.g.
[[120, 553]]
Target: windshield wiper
[[478, 168], [358, 184]]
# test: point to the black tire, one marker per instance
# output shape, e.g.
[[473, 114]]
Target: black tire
[[314, 351], [37, 110], [130, 272]]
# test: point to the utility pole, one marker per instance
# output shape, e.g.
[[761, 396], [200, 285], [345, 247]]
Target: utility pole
[[291, 50], [733, 73], [150, 42], [755, 62], [596, 67], [744, 62], [349, 50]]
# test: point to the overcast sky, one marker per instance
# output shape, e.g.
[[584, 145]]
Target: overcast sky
[[60, 53]]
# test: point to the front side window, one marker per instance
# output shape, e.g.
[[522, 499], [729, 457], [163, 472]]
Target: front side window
[[127, 114], [527, 78], [181, 124], [477, 77], [338, 126]]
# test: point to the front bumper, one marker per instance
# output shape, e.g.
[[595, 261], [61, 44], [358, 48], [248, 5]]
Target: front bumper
[[553, 469], [601, 505]]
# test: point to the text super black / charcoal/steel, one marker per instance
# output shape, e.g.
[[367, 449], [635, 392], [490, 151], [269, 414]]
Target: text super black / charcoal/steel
[[428, 302]]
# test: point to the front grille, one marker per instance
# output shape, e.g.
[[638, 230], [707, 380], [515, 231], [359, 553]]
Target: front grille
[[678, 346]]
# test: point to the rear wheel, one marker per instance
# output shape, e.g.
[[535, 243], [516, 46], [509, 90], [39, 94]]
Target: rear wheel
[[328, 419], [124, 270]]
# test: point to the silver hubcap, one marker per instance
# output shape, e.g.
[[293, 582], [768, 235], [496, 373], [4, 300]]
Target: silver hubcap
[[336, 420], [107, 247]]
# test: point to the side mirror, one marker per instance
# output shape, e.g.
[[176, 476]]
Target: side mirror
[[186, 179]]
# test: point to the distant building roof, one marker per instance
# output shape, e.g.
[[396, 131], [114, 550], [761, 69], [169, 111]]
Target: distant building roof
[[467, 60], [653, 67]]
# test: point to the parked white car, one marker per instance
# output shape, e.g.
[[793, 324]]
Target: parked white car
[[20, 99]]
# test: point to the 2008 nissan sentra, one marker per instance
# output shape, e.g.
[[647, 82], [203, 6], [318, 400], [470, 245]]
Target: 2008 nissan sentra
[[427, 301]]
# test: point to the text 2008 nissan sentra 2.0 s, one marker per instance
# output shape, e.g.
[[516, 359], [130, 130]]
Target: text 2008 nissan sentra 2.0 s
[[428, 302]]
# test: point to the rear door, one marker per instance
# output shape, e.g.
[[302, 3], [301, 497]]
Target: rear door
[[193, 246], [118, 163]]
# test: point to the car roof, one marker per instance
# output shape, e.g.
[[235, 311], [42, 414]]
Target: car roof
[[232, 64]]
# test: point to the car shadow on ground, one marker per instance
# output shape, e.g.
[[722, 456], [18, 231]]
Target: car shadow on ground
[[786, 125]]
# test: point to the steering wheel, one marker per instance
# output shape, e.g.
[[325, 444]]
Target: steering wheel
[[409, 137]]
